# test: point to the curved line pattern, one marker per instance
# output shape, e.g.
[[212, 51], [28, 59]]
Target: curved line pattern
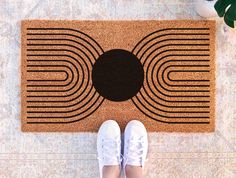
[[45, 70], [81, 52], [73, 46], [162, 74], [71, 116], [193, 71], [67, 122], [55, 80], [69, 29], [151, 82], [62, 90], [163, 30], [168, 77], [183, 39], [154, 51], [64, 116], [172, 117], [68, 111], [162, 110], [184, 60], [32, 96], [64, 56], [168, 122], [48, 91], [68, 45], [64, 96], [171, 45], [188, 106], [60, 55]]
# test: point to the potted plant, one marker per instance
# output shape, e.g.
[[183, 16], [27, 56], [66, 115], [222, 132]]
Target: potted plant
[[224, 8], [205, 8], [227, 9]]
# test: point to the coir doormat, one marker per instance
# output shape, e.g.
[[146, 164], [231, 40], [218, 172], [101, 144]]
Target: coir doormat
[[77, 74]]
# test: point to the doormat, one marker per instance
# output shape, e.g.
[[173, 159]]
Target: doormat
[[77, 74]]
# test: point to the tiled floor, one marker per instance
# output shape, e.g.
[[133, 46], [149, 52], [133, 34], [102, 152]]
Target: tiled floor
[[70, 155]]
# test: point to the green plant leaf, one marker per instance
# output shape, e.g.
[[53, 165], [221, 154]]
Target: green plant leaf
[[231, 12], [221, 5], [229, 21]]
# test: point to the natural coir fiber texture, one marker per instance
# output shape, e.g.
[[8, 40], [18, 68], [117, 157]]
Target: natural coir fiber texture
[[77, 74]]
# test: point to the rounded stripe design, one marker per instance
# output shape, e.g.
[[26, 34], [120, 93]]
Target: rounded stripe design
[[174, 101], [61, 101]]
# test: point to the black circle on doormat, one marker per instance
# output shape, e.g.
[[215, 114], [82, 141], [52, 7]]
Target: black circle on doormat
[[117, 75]]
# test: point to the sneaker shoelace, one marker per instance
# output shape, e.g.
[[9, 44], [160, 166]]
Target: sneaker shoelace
[[135, 151], [110, 148]]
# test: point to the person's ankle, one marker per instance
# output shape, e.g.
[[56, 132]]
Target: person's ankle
[[133, 171], [130, 167], [111, 171]]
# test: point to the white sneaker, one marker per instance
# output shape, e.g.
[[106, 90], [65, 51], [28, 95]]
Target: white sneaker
[[109, 144], [135, 144]]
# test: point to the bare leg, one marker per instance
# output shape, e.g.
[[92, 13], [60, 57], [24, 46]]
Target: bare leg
[[133, 171], [111, 171]]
